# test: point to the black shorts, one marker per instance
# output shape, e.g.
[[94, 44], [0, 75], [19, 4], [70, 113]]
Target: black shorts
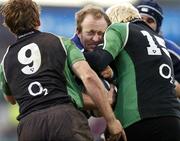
[[59, 123], [155, 129]]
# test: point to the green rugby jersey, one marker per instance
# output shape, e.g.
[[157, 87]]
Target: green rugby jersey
[[145, 77], [73, 55]]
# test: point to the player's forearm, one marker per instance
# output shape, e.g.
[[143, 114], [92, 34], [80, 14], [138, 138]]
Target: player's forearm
[[88, 102], [98, 93], [95, 89]]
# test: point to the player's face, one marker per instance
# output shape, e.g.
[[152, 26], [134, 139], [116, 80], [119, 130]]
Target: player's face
[[151, 22], [92, 32]]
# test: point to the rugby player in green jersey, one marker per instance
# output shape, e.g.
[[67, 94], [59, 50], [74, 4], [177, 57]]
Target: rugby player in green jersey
[[146, 102]]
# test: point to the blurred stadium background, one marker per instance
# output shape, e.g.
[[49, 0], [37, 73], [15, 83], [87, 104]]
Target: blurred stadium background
[[58, 17]]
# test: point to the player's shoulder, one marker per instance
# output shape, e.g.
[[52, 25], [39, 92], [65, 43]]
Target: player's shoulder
[[118, 28], [172, 45], [173, 49], [49, 35], [118, 25], [65, 41]]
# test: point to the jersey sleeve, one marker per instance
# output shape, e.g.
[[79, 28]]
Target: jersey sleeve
[[3, 84], [73, 53], [115, 38]]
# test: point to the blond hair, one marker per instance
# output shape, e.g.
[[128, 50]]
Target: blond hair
[[123, 12]]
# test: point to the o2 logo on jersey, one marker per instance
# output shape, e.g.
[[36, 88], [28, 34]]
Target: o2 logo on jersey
[[153, 49], [38, 87], [30, 56], [166, 74]]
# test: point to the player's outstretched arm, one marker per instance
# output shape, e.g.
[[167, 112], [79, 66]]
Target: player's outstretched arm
[[96, 90]]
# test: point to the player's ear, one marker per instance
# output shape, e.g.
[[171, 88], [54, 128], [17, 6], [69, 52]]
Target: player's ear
[[38, 23], [78, 32]]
